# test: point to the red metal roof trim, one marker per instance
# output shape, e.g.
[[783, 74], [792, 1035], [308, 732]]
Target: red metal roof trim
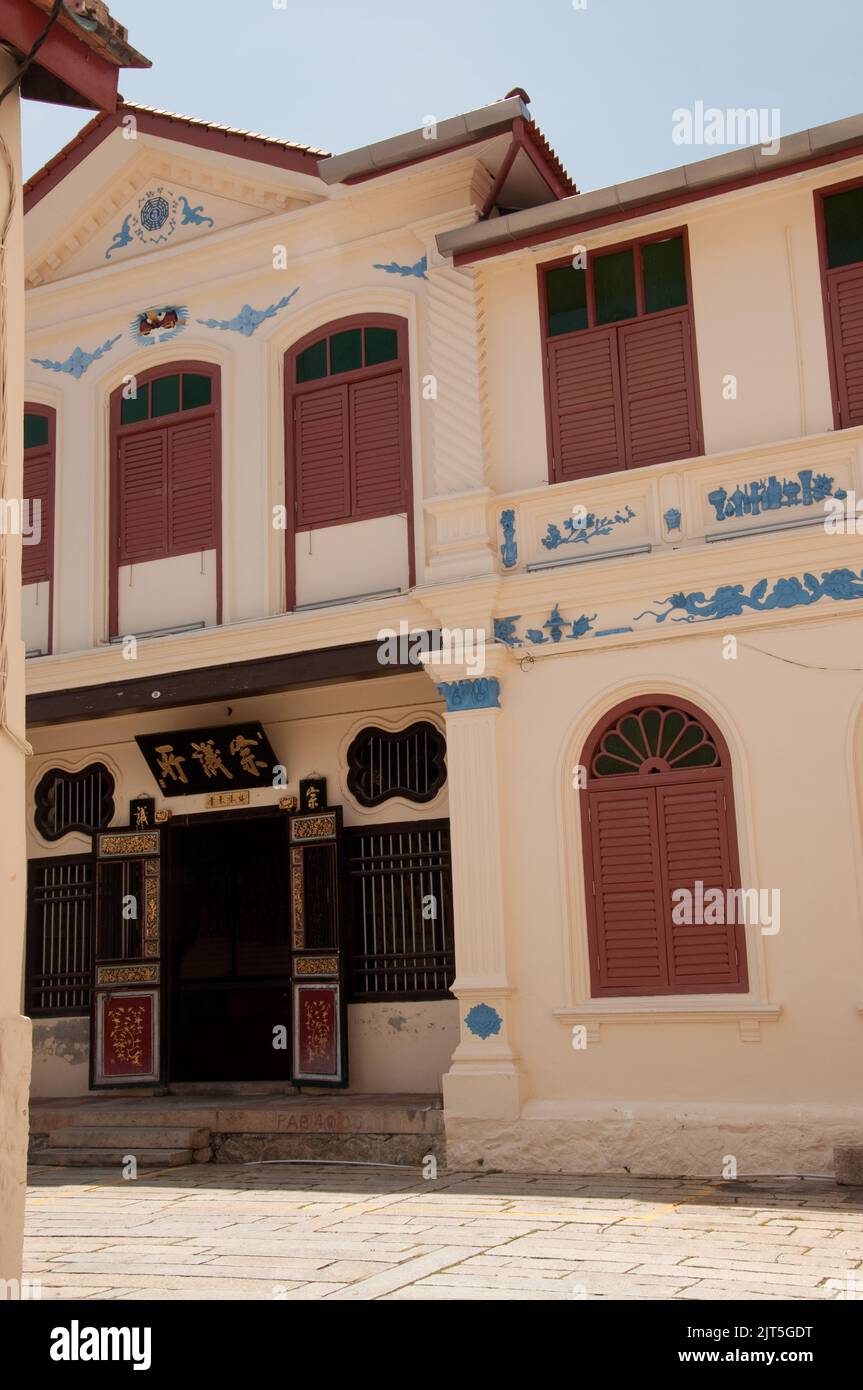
[[535, 135], [559, 179], [245, 144]]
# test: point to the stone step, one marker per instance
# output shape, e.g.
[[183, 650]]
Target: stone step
[[359, 1115], [410, 1150], [132, 1137], [230, 1088], [116, 1158]]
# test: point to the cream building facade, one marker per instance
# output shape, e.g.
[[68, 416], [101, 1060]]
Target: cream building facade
[[290, 403]]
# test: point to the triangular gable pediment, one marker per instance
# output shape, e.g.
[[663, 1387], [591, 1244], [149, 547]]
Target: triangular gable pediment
[[127, 197]]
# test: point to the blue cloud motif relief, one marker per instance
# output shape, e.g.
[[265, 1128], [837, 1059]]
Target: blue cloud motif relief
[[155, 219], [248, 319], [78, 360], [195, 216], [730, 600], [121, 238], [393, 268], [483, 1021]]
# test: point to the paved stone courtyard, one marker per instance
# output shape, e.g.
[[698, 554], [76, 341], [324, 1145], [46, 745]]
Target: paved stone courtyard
[[303, 1231]]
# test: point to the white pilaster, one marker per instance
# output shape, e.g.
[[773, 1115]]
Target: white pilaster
[[484, 1080], [456, 512]]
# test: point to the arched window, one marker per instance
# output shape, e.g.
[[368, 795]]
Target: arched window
[[165, 468], [665, 914], [347, 427]]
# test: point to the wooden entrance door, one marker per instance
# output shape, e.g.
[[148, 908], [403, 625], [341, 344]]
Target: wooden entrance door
[[230, 950], [126, 1022], [319, 938]]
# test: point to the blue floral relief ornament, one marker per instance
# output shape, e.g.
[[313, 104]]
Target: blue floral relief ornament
[[249, 319], [583, 531], [76, 364], [483, 1021], [393, 268]]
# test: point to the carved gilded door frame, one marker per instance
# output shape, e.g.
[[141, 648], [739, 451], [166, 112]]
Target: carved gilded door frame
[[126, 1016], [319, 945]]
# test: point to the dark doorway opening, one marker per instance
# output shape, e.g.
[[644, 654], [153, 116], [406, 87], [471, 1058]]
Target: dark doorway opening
[[230, 951]]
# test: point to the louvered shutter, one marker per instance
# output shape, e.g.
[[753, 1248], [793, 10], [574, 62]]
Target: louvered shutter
[[845, 288], [658, 389], [694, 838], [38, 487], [628, 909], [142, 484], [322, 456], [587, 424], [193, 485], [377, 445]]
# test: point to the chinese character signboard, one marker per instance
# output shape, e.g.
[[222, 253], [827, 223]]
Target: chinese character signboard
[[142, 812], [194, 761], [313, 793]]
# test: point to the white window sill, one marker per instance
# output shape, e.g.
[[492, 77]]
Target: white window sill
[[748, 1014]]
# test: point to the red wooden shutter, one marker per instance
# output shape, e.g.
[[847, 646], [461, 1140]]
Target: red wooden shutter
[[322, 457], [36, 560], [142, 486], [845, 288], [377, 446], [693, 833], [192, 485], [658, 385], [587, 424], [626, 900]]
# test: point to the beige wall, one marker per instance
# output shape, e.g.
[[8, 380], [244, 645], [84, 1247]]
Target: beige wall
[[14, 1029], [404, 1047]]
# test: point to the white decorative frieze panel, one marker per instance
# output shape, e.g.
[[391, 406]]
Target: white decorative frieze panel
[[682, 504], [783, 486], [578, 522]]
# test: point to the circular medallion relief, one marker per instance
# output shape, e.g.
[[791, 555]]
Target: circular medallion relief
[[154, 213]]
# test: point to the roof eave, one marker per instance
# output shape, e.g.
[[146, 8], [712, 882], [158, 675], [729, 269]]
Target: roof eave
[[76, 63], [388, 155], [655, 192]]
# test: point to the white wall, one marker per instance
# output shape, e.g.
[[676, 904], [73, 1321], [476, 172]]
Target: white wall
[[35, 606], [167, 593], [362, 557]]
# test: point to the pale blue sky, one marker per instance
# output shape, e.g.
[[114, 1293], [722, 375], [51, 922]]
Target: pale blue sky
[[604, 80]]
